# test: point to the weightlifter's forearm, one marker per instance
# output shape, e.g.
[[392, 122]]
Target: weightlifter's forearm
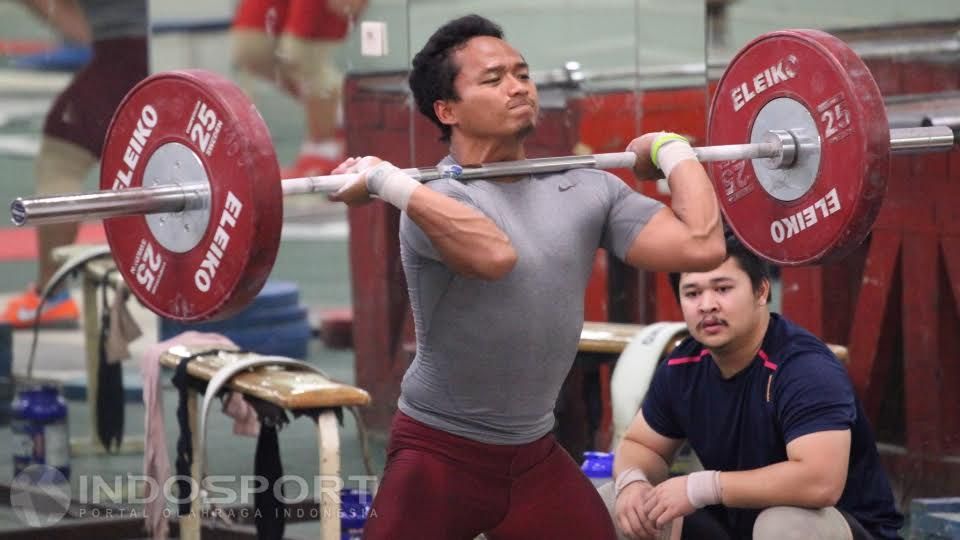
[[469, 242], [694, 202]]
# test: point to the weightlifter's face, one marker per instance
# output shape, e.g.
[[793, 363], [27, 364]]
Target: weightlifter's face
[[497, 97], [720, 307]]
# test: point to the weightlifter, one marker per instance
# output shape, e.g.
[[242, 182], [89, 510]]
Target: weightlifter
[[72, 141], [497, 271], [771, 414]]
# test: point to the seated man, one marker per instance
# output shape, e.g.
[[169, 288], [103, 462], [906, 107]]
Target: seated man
[[771, 414]]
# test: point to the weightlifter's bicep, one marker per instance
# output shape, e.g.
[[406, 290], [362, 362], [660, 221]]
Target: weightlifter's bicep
[[664, 244]]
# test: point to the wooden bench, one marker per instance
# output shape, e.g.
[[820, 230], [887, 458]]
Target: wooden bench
[[292, 386]]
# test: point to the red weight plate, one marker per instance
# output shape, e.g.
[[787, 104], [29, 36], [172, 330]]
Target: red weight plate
[[217, 122], [824, 75]]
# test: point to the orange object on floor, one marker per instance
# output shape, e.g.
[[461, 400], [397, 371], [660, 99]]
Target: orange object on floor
[[58, 312]]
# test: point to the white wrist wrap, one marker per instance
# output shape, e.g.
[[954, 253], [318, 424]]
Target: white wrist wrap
[[628, 477], [391, 184], [673, 152], [703, 488]]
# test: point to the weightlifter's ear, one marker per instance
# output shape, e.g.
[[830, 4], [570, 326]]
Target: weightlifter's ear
[[444, 111]]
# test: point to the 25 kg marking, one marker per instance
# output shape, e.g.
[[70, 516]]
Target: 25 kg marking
[[148, 266], [836, 117], [204, 127]]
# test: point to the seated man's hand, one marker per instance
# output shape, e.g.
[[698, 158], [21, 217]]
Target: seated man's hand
[[629, 514], [667, 502]]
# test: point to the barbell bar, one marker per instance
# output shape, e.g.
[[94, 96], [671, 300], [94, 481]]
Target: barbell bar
[[798, 149], [781, 151]]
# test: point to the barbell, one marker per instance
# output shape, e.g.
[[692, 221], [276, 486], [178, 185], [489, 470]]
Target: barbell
[[192, 198]]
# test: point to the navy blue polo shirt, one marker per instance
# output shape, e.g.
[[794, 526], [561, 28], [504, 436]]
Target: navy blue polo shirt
[[795, 386]]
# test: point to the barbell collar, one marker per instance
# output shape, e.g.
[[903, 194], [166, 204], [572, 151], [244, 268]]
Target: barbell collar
[[950, 120], [922, 140]]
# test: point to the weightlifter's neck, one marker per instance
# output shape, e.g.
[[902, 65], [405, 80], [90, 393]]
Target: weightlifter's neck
[[476, 151]]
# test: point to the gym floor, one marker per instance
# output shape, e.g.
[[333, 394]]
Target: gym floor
[[316, 230]]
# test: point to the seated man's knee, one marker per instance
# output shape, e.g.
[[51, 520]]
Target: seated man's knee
[[794, 523], [608, 494]]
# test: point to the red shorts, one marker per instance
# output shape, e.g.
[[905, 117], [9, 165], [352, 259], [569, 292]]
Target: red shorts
[[307, 19], [438, 485]]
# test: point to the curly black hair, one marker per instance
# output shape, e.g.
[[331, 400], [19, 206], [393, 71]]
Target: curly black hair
[[434, 70]]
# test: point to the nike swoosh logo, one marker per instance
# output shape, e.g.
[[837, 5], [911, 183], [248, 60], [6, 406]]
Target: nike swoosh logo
[[564, 188]]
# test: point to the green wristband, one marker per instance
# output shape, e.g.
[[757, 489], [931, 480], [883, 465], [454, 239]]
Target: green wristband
[[660, 141]]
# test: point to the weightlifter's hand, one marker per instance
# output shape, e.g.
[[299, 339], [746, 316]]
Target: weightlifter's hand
[[644, 167], [376, 177], [354, 193], [658, 153]]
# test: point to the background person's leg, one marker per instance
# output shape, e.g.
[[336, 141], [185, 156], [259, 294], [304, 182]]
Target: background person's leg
[[312, 34], [63, 15], [254, 34], [309, 64], [72, 142]]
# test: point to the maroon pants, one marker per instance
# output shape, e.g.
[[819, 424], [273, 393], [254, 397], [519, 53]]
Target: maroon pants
[[440, 486]]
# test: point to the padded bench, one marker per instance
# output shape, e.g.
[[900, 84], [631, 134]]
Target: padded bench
[[287, 383]]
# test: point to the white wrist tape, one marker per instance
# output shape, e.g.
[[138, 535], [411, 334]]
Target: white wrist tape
[[673, 152], [628, 477], [391, 184], [703, 488]]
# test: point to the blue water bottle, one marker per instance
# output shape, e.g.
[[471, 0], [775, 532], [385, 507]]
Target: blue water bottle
[[354, 508], [39, 427], [598, 466], [6, 377]]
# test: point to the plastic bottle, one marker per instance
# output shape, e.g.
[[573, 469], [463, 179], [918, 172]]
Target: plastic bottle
[[354, 508], [598, 466], [39, 427]]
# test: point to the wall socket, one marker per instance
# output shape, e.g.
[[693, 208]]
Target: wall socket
[[373, 38]]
